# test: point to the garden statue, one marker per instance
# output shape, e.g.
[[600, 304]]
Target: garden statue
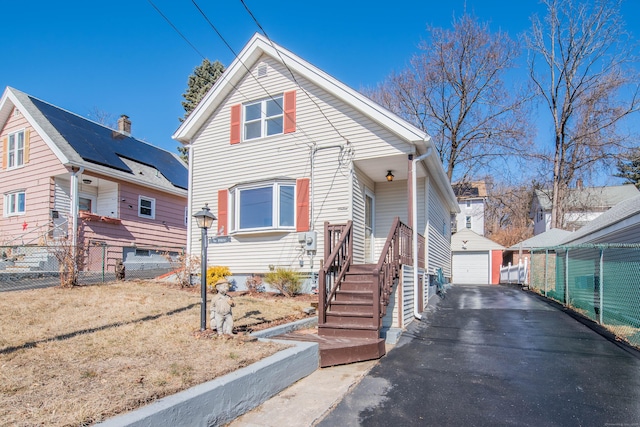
[[221, 309]]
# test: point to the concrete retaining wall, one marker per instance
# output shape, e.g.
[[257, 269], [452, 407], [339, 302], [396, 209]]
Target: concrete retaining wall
[[222, 400]]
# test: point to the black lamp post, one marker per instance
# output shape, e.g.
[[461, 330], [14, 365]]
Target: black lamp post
[[205, 220]]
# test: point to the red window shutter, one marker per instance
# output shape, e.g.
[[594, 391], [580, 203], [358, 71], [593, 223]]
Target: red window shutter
[[290, 111], [236, 125], [223, 216], [302, 204]]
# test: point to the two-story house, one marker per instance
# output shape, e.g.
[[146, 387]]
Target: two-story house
[[66, 177], [305, 173], [472, 197]]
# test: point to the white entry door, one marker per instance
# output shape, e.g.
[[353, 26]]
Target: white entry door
[[369, 217]]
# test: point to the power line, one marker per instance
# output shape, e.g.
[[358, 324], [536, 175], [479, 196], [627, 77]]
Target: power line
[[176, 29], [235, 54], [289, 69]]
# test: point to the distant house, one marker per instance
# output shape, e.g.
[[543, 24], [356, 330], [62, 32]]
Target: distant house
[[472, 197], [620, 224], [66, 177], [305, 173], [582, 205], [475, 259]]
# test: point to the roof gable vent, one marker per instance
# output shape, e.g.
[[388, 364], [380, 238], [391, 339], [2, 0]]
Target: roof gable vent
[[262, 70]]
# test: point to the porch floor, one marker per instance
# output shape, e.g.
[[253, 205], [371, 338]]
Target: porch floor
[[339, 350]]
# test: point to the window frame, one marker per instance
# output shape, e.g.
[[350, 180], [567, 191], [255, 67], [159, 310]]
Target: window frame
[[13, 154], [468, 222], [152, 208], [264, 119], [11, 199], [235, 201]]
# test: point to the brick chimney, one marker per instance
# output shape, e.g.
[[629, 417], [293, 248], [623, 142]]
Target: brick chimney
[[124, 125]]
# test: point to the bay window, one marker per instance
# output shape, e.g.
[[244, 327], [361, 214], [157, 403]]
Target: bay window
[[268, 206]]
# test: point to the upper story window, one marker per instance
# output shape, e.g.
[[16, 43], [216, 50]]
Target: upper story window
[[14, 203], [540, 215], [468, 221], [15, 149], [263, 118], [468, 204], [146, 207], [263, 206], [275, 115]]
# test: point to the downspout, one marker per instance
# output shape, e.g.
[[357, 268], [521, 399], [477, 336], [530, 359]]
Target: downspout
[[414, 226], [75, 171]]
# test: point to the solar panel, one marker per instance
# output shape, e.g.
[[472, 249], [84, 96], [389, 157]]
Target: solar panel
[[98, 144]]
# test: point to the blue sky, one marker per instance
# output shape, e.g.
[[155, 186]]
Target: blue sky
[[122, 57]]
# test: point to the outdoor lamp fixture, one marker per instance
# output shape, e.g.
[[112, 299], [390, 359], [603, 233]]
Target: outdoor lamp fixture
[[205, 220], [389, 176]]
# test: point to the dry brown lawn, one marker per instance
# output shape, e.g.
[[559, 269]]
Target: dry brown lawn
[[82, 355]]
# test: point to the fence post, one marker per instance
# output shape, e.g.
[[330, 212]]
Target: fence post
[[104, 248], [566, 277], [546, 270], [601, 294], [526, 271]]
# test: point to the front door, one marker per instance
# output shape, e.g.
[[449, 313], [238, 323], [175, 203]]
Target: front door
[[369, 238]]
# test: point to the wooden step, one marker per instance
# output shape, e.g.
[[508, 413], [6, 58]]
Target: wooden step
[[335, 350], [348, 331], [351, 307], [354, 295]]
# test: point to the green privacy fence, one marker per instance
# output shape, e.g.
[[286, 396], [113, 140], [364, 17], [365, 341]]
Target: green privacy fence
[[601, 282], [38, 266]]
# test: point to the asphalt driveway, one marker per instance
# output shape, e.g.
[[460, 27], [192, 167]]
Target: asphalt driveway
[[497, 355]]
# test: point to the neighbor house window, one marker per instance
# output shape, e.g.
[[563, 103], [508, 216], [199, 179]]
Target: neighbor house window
[[146, 207], [468, 221], [14, 203], [263, 118], [266, 206], [15, 149]]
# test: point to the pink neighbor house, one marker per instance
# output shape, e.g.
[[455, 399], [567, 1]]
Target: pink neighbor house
[[66, 177]]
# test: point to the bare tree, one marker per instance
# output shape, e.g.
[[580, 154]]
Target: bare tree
[[455, 91], [579, 62], [507, 214]]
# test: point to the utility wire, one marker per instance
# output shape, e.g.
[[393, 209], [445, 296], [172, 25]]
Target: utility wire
[[176, 29], [235, 54], [291, 72]]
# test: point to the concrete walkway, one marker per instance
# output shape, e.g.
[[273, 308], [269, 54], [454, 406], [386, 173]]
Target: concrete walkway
[[496, 355]]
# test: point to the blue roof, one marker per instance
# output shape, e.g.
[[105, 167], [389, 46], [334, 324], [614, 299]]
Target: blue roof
[[98, 144]]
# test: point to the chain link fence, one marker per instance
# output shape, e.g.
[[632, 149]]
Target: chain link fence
[[602, 282], [38, 266]]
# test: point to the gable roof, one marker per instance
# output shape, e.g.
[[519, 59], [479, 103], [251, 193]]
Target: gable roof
[[597, 198], [622, 211], [472, 241], [550, 238], [77, 141], [259, 46]]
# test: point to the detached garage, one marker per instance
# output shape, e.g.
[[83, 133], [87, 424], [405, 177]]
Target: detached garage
[[475, 259]]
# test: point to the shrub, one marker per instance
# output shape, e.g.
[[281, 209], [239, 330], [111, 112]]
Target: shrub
[[286, 280], [254, 284], [215, 273]]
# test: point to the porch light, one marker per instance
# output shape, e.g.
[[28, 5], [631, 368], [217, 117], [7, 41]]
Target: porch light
[[389, 176], [205, 220]]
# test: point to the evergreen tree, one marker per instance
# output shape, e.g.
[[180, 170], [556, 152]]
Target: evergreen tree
[[629, 168], [199, 83]]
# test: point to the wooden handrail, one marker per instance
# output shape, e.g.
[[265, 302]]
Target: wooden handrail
[[338, 251]]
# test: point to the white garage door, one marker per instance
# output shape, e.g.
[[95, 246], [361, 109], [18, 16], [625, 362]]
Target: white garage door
[[471, 268]]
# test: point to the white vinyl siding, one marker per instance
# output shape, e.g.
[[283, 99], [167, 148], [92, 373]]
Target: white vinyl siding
[[439, 234], [219, 165]]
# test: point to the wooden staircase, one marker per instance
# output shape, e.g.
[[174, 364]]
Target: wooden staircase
[[352, 326]]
